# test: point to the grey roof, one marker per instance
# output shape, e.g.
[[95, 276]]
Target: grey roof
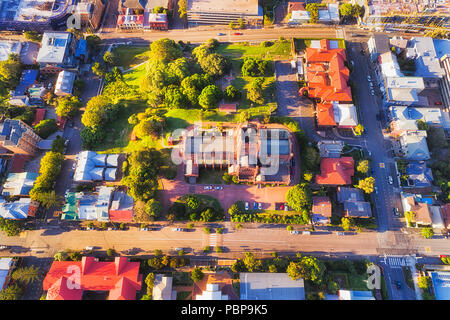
[[121, 201], [94, 167], [354, 203], [419, 175], [15, 210], [414, 145], [162, 289], [427, 62], [270, 286], [53, 47], [330, 148], [381, 42], [64, 83]]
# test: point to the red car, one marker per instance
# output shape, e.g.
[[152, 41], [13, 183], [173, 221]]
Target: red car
[[237, 33]]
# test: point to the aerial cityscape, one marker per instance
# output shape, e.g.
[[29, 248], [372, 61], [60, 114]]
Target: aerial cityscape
[[224, 150]]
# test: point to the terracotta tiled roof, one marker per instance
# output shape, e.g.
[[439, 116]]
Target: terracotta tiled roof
[[325, 115], [422, 212], [322, 206], [336, 171]]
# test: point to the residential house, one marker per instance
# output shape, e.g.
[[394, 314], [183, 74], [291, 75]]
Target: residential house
[[330, 148], [378, 44], [20, 96], [15, 210], [270, 286], [298, 13], [212, 292], [420, 206], [336, 171], [399, 43], [121, 209], [19, 184], [354, 204], [8, 47], [321, 210], [57, 52], [120, 278], [162, 288], [413, 145], [355, 295], [130, 20], [330, 14], [433, 116], [88, 206], [64, 83], [336, 115], [442, 47], [96, 167], [211, 12], [6, 267], [81, 52], [441, 284], [155, 21], [326, 74], [17, 137], [419, 175]]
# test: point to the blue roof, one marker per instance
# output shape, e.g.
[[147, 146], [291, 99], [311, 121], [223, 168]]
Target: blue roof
[[424, 200], [442, 47], [441, 285], [81, 48], [419, 174], [28, 78]]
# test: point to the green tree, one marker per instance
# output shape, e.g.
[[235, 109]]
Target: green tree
[[45, 128], [182, 8], [75, 256], [93, 43], [290, 228], [58, 145], [95, 114], [346, 9], [241, 23], [424, 282], [150, 126], [207, 215], [68, 106], [273, 268], [110, 58], [367, 184], [33, 36], [150, 281], [410, 217], [359, 130], [313, 11], [60, 256], [26, 275], [427, 232], [98, 69], [232, 25], [312, 158], [333, 287], [363, 166], [307, 176], [422, 125], [210, 97], [11, 292], [110, 252], [254, 67], [299, 197], [232, 93], [165, 50], [251, 262], [197, 274], [10, 71], [48, 199], [153, 209]]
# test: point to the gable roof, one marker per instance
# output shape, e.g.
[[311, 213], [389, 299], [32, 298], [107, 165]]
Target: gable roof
[[419, 174], [19, 184], [414, 145], [336, 171], [325, 114], [354, 203], [322, 206]]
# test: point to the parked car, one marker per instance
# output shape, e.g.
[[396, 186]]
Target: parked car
[[391, 181], [294, 232], [221, 34], [369, 78], [3, 247], [259, 206], [282, 207], [207, 188], [306, 232], [177, 229], [395, 211], [340, 233], [372, 92], [144, 229], [246, 205], [218, 187], [74, 165], [376, 190], [89, 248], [255, 206], [286, 208], [398, 284], [238, 33]]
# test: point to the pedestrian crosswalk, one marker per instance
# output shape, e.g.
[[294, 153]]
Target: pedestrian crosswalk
[[213, 240], [396, 261]]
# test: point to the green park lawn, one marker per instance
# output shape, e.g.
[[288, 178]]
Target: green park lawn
[[129, 56]]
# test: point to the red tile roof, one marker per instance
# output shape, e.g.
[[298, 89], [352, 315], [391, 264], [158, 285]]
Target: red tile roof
[[39, 116], [326, 73], [121, 215], [325, 114], [18, 163], [62, 290], [322, 206], [94, 276], [336, 171], [296, 6]]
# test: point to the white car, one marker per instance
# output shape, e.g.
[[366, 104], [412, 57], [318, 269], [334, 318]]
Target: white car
[[391, 181], [218, 187], [74, 165], [177, 229], [369, 78], [207, 188], [246, 205], [376, 189], [294, 232], [372, 92], [259, 206]]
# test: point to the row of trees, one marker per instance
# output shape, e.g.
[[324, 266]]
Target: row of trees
[[43, 189], [192, 207], [147, 123]]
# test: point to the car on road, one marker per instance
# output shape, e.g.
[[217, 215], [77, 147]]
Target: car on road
[[177, 229], [144, 229], [282, 207], [398, 284], [238, 33], [369, 78], [362, 51], [391, 181], [376, 190], [221, 34], [3, 247], [207, 188], [395, 211], [295, 232], [372, 92], [259, 206], [306, 232], [246, 205], [74, 165], [340, 233], [218, 187], [49, 85], [255, 206]]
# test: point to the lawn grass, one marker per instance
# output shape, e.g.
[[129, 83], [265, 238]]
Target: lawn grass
[[238, 51], [209, 176], [182, 295], [182, 279], [133, 77], [129, 56]]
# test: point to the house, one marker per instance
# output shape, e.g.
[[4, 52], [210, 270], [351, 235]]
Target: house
[[8, 47], [64, 83], [130, 21], [413, 145], [321, 210], [90, 12], [419, 205], [419, 175], [336, 171], [6, 267], [345, 115], [120, 278], [15, 210], [87, 206], [57, 51], [96, 167], [355, 295], [162, 288], [211, 12], [212, 292], [330, 148], [354, 204], [20, 96], [378, 44], [17, 137], [330, 14], [237, 148], [433, 116], [19, 184], [155, 21], [270, 286], [326, 74], [121, 209], [298, 13], [81, 52]]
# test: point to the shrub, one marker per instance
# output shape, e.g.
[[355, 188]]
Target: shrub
[[45, 128], [207, 230]]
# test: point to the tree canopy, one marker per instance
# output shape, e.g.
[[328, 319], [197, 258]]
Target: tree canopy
[[299, 197], [68, 106]]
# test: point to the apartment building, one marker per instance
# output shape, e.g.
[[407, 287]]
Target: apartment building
[[19, 138]]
